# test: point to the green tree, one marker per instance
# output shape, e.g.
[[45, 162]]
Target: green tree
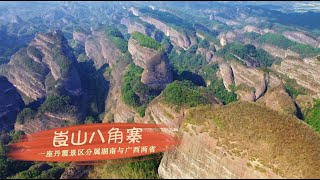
[[146, 41], [90, 120], [247, 52], [57, 104], [134, 92], [313, 116], [204, 43], [25, 114], [183, 94], [293, 89], [117, 38]]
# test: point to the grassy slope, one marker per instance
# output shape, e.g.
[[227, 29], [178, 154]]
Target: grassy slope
[[272, 138], [146, 41], [129, 168]]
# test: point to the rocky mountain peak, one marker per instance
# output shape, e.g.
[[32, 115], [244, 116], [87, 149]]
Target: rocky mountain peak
[[157, 72], [45, 64]]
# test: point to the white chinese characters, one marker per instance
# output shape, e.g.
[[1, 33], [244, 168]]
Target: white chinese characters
[[115, 135], [134, 135], [100, 151], [60, 139], [80, 138]]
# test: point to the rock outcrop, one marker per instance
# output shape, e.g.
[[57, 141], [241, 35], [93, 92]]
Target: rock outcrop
[[301, 38], [199, 156], [101, 49], [241, 140], [45, 67], [250, 82], [10, 104], [273, 80], [305, 102], [158, 112], [46, 64], [134, 11], [226, 74], [279, 100], [28, 80], [144, 28], [199, 35], [136, 26], [276, 97], [250, 77], [250, 28], [179, 39], [79, 37], [305, 72], [157, 72], [278, 52], [223, 41], [46, 121], [207, 53], [75, 172], [104, 52], [237, 35], [117, 110]]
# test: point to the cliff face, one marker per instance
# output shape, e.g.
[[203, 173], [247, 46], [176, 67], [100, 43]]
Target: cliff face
[[101, 49], [80, 37], [305, 72], [136, 26], [134, 11], [45, 122], [45, 67], [206, 52], [250, 82], [10, 104], [226, 74], [305, 102], [250, 28], [235, 141], [231, 36], [301, 38], [156, 112], [116, 109], [48, 55], [276, 97], [223, 41], [159, 112], [279, 100], [251, 77], [144, 28], [28, 80], [278, 52], [181, 40], [241, 140], [74, 172], [201, 156], [255, 85], [157, 72]]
